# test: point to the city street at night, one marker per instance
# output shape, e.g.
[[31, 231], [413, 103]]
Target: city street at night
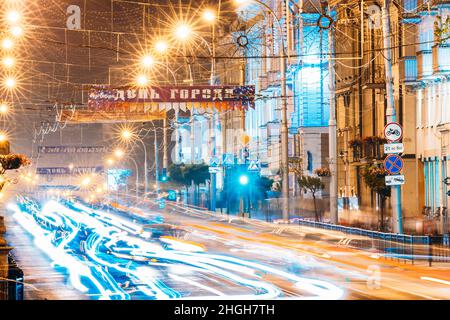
[[224, 158], [150, 255]]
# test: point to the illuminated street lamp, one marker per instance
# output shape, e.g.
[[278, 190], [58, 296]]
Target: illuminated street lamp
[[13, 17], [86, 181], [10, 83], [148, 61], [7, 44], [3, 137], [8, 62], [161, 46], [142, 80], [4, 108], [128, 135], [119, 153], [182, 32], [284, 106], [209, 15], [16, 31]]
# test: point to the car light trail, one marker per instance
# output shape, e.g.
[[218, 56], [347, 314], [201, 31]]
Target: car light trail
[[110, 257]]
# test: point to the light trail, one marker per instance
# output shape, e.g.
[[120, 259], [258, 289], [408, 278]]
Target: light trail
[[110, 257]]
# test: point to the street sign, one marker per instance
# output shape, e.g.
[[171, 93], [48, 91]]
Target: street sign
[[228, 159], [214, 169], [395, 180], [254, 165], [394, 148], [214, 161], [393, 164], [393, 131]]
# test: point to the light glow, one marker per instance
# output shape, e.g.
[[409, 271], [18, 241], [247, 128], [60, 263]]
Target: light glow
[[161, 46], [8, 62], [7, 44], [182, 32], [142, 80]]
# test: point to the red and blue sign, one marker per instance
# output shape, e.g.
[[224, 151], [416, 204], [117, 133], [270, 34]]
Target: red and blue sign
[[393, 164]]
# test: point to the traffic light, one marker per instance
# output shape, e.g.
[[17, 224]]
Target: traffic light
[[448, 193], [164, 177], [243, 179]]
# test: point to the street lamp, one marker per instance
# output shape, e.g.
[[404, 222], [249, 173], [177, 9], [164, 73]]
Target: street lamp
[[209, 15], [16, 31], [161, 46], [7, 44], [182, 32], [142, 80], [3, 137], [119, 153], [8, 62], [13, 17], [148, 61], [128, 136], [4, 108], [10, 83], [284, 107], [110, 161]]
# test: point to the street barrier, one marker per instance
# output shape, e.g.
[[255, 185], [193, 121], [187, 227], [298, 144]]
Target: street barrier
[[407, 248]]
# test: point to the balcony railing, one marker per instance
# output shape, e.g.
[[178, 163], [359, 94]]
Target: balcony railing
[[424, 64], [408, 69], [410, 6], [441, 58]]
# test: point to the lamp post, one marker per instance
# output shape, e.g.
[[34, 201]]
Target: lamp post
[[128, 136], [284, 125], [119, 154]]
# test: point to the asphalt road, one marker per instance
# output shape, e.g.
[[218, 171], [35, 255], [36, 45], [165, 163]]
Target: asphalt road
[[193, 254]]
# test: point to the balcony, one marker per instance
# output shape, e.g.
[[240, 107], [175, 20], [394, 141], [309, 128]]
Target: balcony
[[367, 149], [410, 11], [408, 69], [410, 7], [441, 58], [424, 64], [273, 78]]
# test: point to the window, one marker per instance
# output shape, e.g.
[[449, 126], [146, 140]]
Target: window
[[310, 161]]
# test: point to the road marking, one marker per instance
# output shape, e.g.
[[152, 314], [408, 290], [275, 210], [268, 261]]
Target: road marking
[[435, 280]]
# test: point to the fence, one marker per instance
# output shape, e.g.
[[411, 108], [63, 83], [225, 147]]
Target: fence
[[407, 248], [12, 288]]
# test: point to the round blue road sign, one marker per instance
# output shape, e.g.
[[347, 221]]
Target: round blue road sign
[[393, 164]]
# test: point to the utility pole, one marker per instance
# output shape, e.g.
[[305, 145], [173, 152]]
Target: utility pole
[[284, 137], [212, 136], [165, 147], [332, 130], [156, 163], [391, 116]]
